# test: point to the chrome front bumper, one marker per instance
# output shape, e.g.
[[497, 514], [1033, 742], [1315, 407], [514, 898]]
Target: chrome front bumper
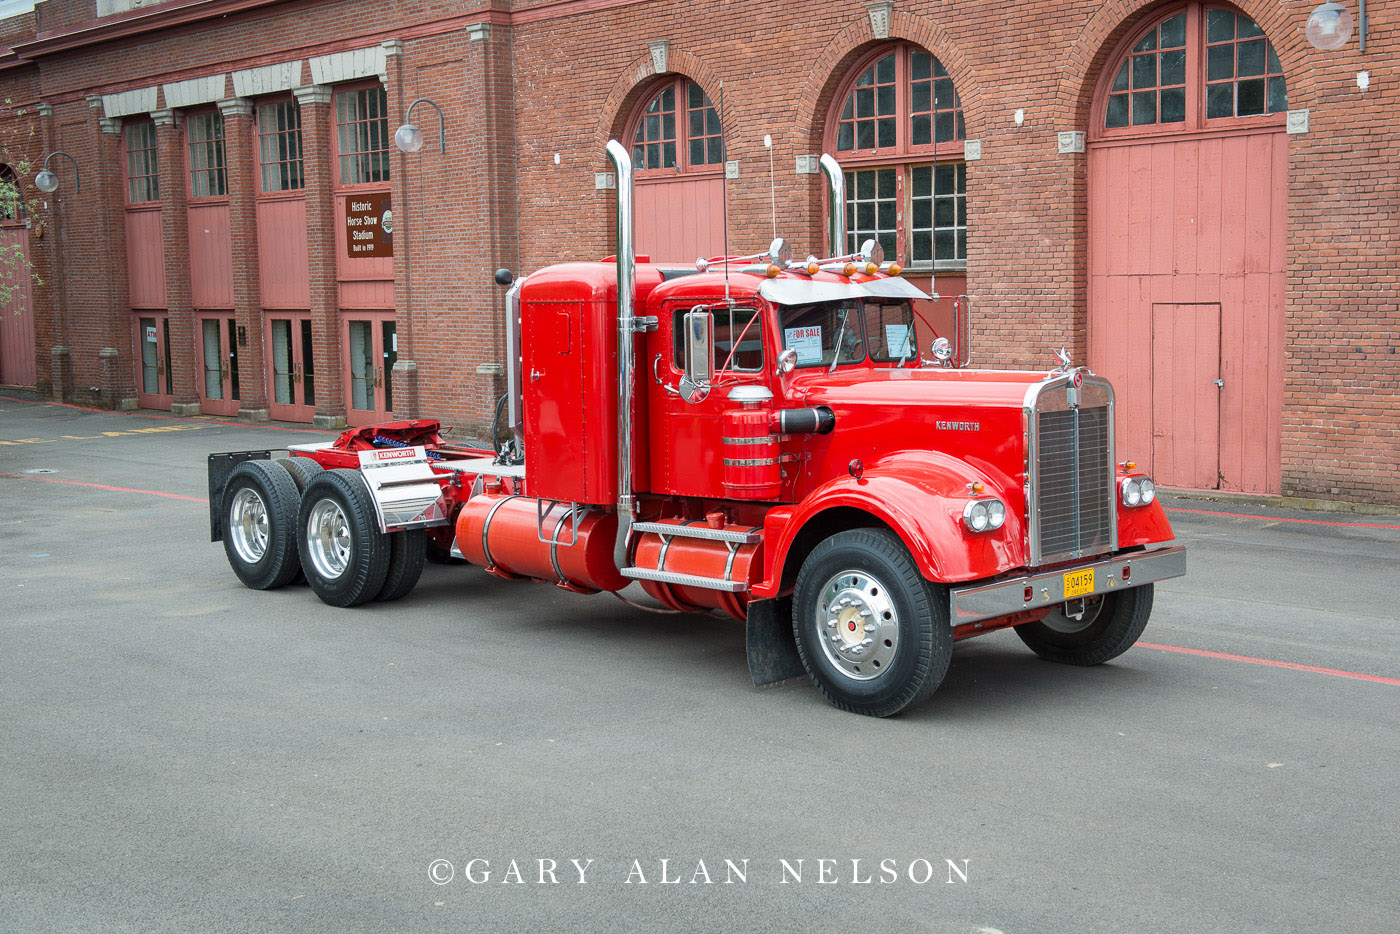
[[977, 602]]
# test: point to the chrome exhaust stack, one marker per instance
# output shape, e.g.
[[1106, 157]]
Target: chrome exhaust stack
[[836, 200], [626, 348]]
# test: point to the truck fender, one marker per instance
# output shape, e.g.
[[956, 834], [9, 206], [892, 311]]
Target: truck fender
[[920, 496]]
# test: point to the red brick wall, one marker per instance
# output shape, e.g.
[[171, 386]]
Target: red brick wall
[[563, 82]]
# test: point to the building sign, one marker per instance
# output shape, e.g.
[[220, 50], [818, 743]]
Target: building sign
[[369, 225]]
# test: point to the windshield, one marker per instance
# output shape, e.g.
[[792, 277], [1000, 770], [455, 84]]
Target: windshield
[[889, 328], [882, 327]]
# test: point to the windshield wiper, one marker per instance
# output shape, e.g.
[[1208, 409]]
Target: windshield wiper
[[836, 356]]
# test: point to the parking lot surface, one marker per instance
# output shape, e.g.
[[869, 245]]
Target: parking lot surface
[[180, 753]]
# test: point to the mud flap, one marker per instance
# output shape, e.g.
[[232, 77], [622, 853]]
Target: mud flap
[[772, 651]]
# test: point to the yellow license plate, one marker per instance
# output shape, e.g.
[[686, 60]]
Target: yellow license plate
[[1078, 583]]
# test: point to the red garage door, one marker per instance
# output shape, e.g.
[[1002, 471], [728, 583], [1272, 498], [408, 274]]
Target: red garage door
[[17, 314], [1187, 220]]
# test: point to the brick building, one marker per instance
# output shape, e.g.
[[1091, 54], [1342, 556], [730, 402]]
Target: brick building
[[1189, 196]]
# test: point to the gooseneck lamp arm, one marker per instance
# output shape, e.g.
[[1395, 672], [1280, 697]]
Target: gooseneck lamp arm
[[442, 135], [52, 180]]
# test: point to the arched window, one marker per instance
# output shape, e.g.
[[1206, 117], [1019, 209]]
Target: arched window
[[11, 195], [1191, 68], [898, 131], [677, 131]]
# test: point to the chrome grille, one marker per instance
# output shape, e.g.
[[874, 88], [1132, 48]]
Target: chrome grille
[[1070, 478], [1074, 513]]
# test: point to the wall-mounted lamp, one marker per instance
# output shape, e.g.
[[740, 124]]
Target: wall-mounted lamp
[[47, 182], [1330, 26], [409, 137]]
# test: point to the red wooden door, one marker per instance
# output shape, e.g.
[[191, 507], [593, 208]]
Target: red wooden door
[[682, 220], [216, 348], [1186, 396], [291, 366], [16, 314], [370, 347], [155, 388], [1197, 221]]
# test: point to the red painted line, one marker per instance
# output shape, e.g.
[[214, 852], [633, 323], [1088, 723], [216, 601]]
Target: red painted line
[[1272, 663], [1245, 515], [169, 418], [103, 486]]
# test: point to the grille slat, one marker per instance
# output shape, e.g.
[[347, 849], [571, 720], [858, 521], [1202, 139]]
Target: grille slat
[[1072, 491]]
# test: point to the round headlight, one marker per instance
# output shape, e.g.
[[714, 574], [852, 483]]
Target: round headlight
[[942, 349], [996, 513], [977, 517], [1149, 492], [1132, 492]]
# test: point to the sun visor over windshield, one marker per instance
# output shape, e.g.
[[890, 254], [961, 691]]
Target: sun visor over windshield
[[807, 292]]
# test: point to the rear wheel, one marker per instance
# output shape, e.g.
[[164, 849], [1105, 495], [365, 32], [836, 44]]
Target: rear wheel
[[407, 551], [260, 520], [1111, 623], [871, 631], [344, 555]]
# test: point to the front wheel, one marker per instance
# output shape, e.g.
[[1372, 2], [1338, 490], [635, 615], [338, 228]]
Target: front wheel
[[871, 631], [344, 555], [1109, 626]]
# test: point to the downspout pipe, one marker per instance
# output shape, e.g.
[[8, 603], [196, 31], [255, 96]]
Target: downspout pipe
[[626, 348], [836, 204]]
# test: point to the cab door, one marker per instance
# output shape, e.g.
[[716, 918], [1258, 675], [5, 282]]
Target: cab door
[[687, 437]]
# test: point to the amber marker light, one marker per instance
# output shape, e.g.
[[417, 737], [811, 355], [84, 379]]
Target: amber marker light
[[895, 269], [849, 270], [772, 271], [871, 269], [813, 269]]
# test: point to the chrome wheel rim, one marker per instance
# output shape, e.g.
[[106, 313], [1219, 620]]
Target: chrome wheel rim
[[247, 525], [328, 539], [857, 625], [1068, 625]]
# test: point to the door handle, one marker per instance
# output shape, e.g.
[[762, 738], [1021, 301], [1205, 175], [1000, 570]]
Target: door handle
[[1220, 384], [535, 374], [296, 373]]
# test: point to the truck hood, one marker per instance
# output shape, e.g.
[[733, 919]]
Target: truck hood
[[961, 389]]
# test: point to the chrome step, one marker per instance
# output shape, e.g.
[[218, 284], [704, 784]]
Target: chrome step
[[699, 531], [685, 580]]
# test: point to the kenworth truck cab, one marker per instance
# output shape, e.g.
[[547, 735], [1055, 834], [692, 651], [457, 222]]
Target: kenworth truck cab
[[750, 436]]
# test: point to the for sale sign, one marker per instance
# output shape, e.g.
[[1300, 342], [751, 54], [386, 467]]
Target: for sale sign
[[369, 225]]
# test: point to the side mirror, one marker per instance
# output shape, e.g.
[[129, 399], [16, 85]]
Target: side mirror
[[962, 330], [699, 354]]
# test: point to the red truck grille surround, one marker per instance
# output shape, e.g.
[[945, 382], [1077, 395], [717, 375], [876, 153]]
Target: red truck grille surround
[[1070, 471]]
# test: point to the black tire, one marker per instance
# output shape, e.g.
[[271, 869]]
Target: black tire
[[337, 504], [407, 550], [302, 469], [260, 523], [904, 658], [1109, 628]]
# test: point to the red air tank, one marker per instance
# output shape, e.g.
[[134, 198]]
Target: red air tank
[[521, 536], [749, 448]]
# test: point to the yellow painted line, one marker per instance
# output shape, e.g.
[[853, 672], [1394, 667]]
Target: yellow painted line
[[106, 434]]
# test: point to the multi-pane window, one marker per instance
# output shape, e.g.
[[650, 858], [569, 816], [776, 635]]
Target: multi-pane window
[[1243, 75], [279, 146], [205, 132], [902, 108], [11, 202], [1150, 87], [678, 130], [362, 135], [1197, 64], [142, 182]]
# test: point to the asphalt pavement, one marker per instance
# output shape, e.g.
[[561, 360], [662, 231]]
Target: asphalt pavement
[[180, 753]]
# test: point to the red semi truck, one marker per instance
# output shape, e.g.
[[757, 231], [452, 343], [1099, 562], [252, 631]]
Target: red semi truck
[[750, 436]]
